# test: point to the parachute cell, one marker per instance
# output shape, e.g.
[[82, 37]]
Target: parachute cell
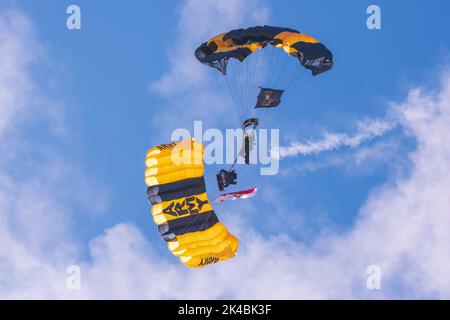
[[180, 205]]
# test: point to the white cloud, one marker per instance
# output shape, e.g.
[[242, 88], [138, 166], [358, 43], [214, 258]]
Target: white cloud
[[39, 186], [191, 89], [198, 21], [16, 53], [403, 228]]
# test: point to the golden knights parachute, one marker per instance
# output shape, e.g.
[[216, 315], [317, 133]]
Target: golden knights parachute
[[180, 205], [263, 59]]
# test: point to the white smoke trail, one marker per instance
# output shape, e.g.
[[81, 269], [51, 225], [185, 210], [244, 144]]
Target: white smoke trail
[[366, 130]]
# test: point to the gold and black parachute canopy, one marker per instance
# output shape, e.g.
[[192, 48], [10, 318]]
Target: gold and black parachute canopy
[[263, 62], [180, 205], [240, 43]]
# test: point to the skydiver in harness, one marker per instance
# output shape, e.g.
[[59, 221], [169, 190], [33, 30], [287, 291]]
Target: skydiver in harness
[[224, 177], [267, 98]]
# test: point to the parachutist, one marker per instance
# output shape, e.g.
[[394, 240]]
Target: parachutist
[[225, 178], [249, 137], [247, 149]]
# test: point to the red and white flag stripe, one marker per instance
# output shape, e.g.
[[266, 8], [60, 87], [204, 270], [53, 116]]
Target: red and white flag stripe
[[244, 194]]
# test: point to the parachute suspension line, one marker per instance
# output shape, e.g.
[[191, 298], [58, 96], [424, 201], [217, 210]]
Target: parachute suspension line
[[181, 186], [249, 94], [253, 77], [227, 47], [286, 79], [264, 79], [280, 73], [293, 80], [270, 55], [259, 75], [308, 78], [235, 77], [233, 99], [276, 67], [232, 78], [274, 53], [234, 163], [299, 85], [244, 77], [263, 114], [293, 72], [296, 73], [245, 84], [230, 92], [234, 88], [240, 88], [245, 93]]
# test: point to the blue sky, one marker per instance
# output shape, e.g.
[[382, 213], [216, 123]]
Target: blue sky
[[93, 101]]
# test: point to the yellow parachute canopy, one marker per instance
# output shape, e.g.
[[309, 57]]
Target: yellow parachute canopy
[[180, 205]]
